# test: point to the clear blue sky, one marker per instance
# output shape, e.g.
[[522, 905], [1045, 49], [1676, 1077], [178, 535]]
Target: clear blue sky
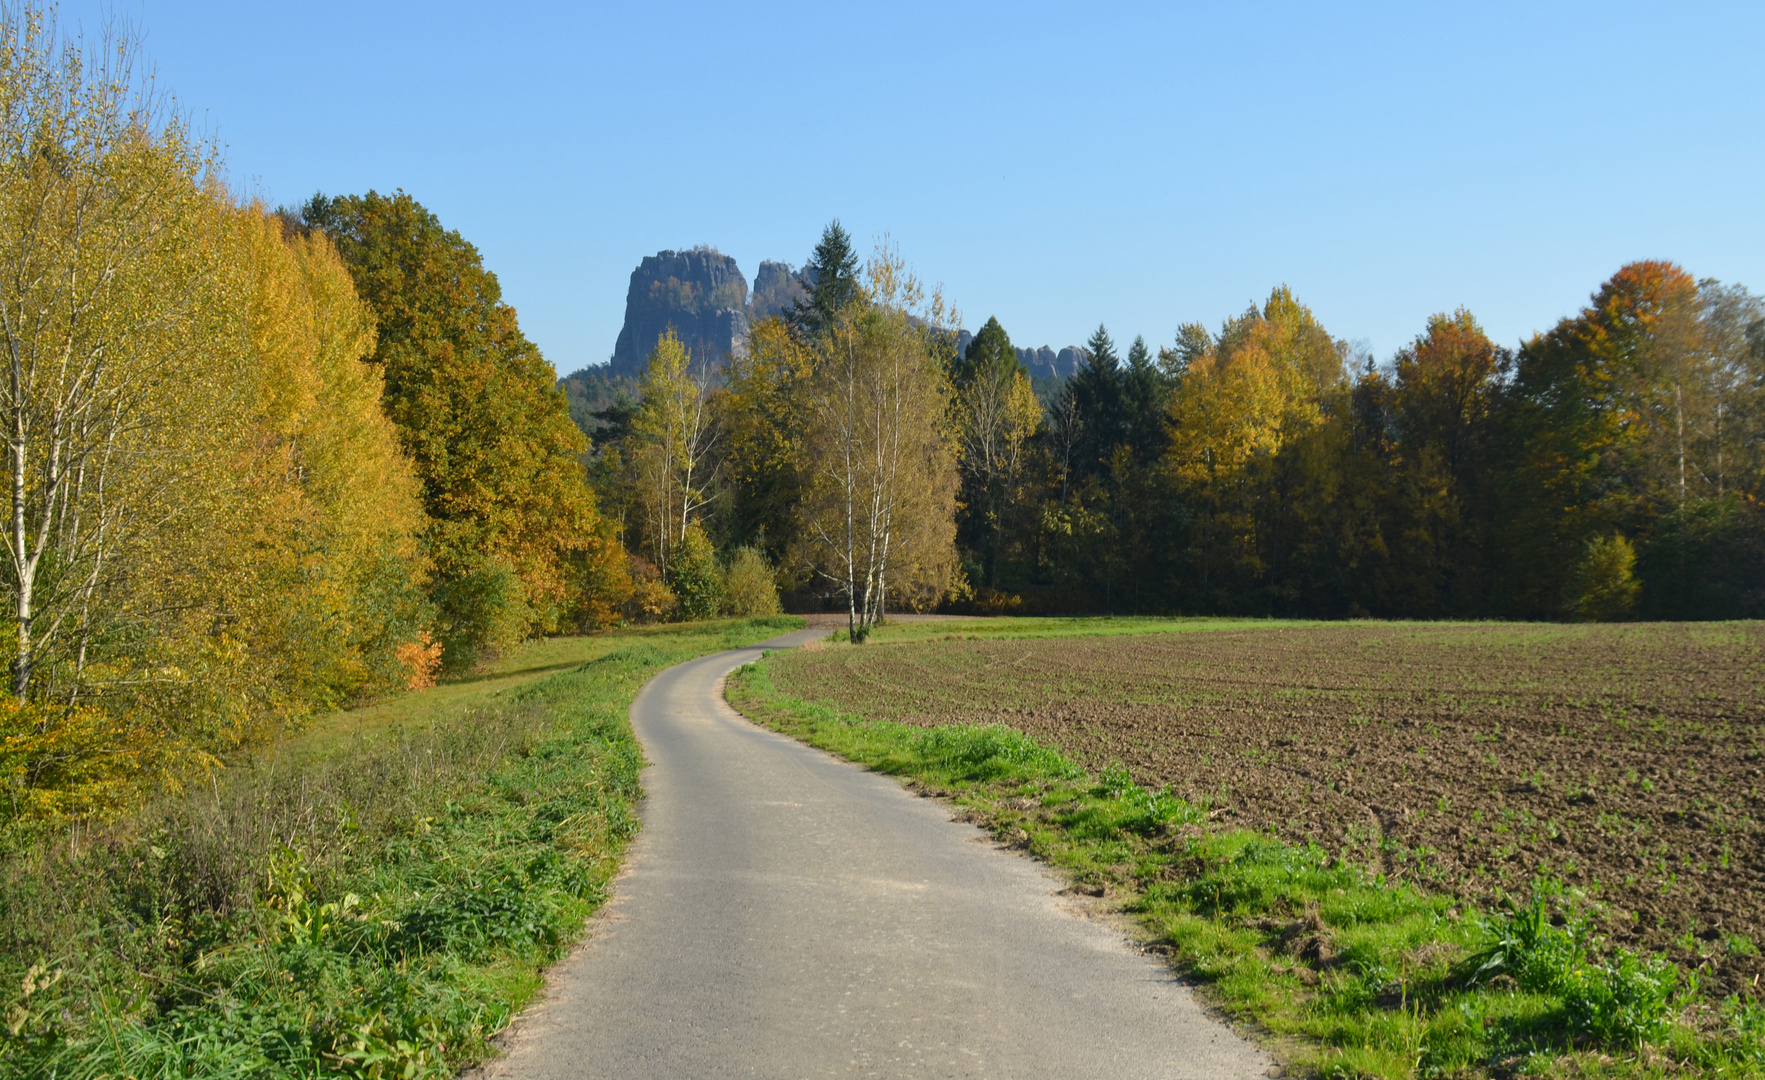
[[1054, 165]]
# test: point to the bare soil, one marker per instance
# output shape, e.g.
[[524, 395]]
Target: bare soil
[[1628, 761]]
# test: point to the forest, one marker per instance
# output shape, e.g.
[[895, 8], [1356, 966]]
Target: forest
[[1610, 467], [260, 463]]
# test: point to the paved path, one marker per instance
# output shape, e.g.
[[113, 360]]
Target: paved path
[[787, 915]]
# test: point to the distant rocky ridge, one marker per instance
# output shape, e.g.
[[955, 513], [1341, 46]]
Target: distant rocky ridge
[[1045, 363], [703, 295]]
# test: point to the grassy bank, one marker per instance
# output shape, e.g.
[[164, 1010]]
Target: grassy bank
[[377, 899], [1348, 973]]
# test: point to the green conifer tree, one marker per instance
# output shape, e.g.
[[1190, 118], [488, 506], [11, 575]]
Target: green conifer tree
[[833, 273]]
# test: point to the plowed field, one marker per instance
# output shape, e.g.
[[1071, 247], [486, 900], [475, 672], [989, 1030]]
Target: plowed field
[[1626, 760]]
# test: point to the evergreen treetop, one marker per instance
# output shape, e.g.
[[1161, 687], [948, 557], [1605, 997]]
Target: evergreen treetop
[[832, 272]]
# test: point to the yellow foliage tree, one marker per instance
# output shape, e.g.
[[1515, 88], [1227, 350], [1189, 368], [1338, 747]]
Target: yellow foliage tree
[[670, 449], [761, 410], [880, 482], [1266, 383], [210, 528]]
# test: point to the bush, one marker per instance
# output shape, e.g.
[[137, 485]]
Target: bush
[[694, 575], [650, 600], [482, 615], [749, 587], [1603, 587]]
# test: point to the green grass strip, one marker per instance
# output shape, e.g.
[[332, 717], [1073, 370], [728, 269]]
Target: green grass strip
[[1345, 974], [377, 907]]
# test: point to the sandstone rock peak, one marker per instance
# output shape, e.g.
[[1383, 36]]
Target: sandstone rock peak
[[699, 292]]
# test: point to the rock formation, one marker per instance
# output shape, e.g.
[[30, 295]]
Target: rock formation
[[1040, 362], [700, 293], [777, 289]]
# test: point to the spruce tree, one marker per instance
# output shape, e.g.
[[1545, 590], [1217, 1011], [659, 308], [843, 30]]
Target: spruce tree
[[832, 271], [1097, 392], [1144, 390], [992, 346]]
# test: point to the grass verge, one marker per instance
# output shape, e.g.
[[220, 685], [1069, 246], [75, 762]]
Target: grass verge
[[375, 903], [1351, 975]]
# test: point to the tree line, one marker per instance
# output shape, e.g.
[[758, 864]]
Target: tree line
[[258, 463], [1611, 467], [261, 463]]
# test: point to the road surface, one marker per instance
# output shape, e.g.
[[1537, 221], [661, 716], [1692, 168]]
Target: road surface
[[788, 915]]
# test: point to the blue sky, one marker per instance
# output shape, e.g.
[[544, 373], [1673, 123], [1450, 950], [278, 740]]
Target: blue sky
[[1054, 165]]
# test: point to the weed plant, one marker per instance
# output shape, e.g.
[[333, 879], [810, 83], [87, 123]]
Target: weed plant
[[375, 908], [1350, 974]]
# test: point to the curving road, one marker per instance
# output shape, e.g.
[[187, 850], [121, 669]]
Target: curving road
[[788, 915]]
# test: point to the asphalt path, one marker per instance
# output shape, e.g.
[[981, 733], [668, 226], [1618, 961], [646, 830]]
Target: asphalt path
[[788, 915]]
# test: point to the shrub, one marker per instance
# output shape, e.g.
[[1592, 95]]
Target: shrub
[[651, 600], [749, 587], [694, 575], [421, 658], [1603, 587], [482, 614], [60, 761]]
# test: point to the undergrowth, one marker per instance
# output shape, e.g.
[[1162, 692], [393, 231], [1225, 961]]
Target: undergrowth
[[1349, 974], [377, 908]]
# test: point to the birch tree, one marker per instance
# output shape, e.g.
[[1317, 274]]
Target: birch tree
[[108, 250], [675, 435], [880, 490]]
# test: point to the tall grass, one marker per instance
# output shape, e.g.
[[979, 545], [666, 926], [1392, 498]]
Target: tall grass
[[375, 907]]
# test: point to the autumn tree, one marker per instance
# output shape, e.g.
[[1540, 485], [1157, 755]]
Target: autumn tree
[[110, 251], [336, 551], [880, 473], [1445, 388], [212, 527], [1729, 436], [761, 409], [670, 448], [1590, 432], [1263, 386], [514, 534], [1702, 554]]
